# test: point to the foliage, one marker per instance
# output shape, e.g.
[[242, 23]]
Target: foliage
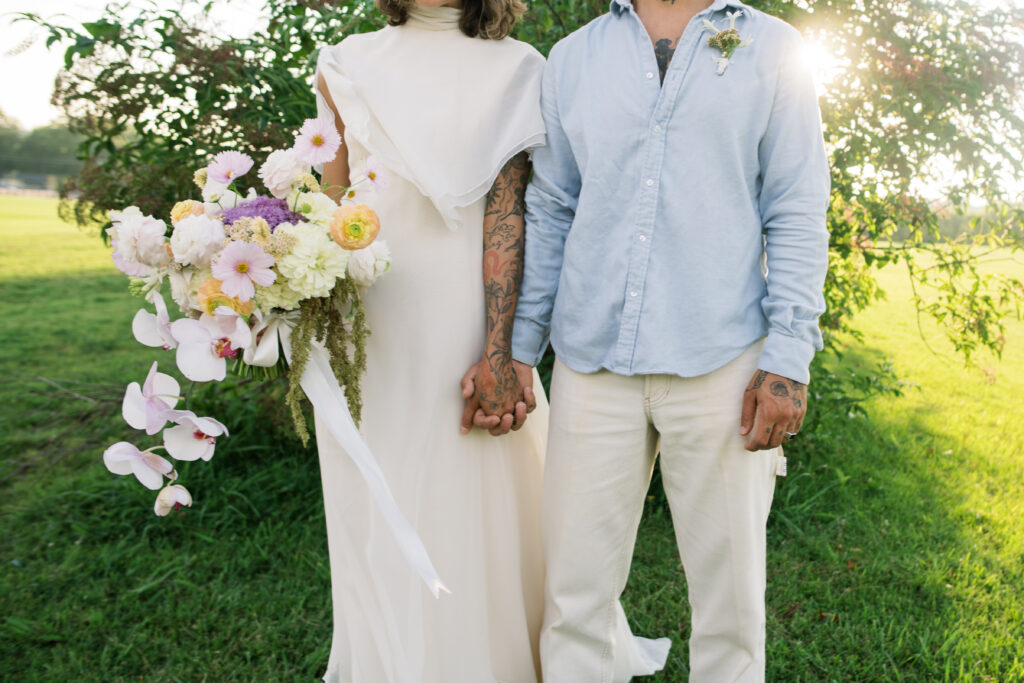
[[921, 95], [150, 87]]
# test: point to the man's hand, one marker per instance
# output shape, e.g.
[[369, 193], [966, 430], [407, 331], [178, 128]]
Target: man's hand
[[772, 407], [474, 390]]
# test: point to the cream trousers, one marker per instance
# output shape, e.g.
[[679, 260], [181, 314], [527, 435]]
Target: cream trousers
[[604, 434]]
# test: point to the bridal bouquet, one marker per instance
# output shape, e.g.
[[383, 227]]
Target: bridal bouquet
[[252, 274]]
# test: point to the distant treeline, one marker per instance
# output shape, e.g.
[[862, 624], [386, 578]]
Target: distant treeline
[[954, 225], [50, 150]]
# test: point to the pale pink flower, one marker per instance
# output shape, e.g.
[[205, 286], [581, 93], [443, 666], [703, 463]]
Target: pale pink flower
[[171, 498], [240, 266], [375, 174], [317, 141], [139, 241], [282, 172], [149, 468], [205, 344], [194, 438], [146, 407], [227, 166], [154, 329]]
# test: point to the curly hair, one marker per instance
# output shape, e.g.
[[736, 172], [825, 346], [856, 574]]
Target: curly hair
[[488, 19]]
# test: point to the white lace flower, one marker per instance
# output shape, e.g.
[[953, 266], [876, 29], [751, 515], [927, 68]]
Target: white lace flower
[[314, 263], [196, 240]]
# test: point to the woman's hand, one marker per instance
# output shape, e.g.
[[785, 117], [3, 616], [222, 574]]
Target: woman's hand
[[495, 399]]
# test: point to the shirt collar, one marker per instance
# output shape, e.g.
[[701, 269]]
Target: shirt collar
[[620, 6]]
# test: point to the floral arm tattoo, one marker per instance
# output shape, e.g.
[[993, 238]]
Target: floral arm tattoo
[[504, 221]]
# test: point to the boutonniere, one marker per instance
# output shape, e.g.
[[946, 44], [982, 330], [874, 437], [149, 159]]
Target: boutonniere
[[726, 40]]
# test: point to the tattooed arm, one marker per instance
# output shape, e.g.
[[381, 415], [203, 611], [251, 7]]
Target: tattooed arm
[[336, 171], [772, 406], [498, 392]]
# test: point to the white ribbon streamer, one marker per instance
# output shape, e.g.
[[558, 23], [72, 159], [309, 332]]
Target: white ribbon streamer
[[322, 389], [264, 352]]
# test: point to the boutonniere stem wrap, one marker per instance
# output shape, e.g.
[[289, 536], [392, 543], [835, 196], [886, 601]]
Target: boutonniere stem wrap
[[726, 40]]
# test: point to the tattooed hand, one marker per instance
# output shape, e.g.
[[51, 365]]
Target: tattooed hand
[[772, 406], [477, 399]]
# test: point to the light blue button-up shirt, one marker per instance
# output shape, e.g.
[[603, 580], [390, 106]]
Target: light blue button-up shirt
[[669, 226]]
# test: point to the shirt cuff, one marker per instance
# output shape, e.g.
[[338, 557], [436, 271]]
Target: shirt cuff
[[529, 341], [787, 357]]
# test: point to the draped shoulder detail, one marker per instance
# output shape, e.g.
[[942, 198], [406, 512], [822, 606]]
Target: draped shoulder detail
[[440, 109]]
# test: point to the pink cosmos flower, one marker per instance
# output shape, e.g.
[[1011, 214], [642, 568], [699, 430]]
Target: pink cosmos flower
[[239, 265], [149, 468], [146, 407], [171, 498], [227, 166], [375, 174], [205, 344], [193, 438], [317, 141]]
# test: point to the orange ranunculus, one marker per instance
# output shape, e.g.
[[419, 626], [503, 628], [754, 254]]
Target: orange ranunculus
[[354, 227], [211, 296]]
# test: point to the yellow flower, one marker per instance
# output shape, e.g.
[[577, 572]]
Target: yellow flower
[[354, 227], [187, 208], [200, 178], [309, 183], [211, 297]]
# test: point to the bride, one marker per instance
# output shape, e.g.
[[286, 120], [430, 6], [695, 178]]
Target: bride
[[447, 107]]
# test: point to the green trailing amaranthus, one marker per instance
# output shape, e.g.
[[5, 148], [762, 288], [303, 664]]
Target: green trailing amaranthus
[[323, 320]]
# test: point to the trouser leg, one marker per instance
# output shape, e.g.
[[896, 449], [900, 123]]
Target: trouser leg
[[719, 494], [599, 461]]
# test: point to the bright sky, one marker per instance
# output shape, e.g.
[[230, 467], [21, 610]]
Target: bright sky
[[26, 78]]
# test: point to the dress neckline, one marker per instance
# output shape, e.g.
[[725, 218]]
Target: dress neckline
[[434, 18]]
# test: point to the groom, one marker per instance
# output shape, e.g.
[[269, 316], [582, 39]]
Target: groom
[[676, 250]]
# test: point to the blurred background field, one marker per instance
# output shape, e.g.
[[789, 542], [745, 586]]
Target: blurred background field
[[895, 545]]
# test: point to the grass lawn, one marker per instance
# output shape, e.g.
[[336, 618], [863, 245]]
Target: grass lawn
[[895, 546]]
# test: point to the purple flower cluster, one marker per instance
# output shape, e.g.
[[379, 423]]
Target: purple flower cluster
[[273, 211]]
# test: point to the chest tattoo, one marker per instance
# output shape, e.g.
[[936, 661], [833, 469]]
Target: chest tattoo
[[663, 51]]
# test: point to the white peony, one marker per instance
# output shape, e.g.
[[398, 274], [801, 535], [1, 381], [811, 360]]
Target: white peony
[[282, 171], [278, 295], [317, 207], [314, 262], [138, 239], [366, 265], [196, 240]]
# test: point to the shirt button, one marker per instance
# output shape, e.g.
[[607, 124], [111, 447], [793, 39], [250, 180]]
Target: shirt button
[[650, 74], [632, 293], [643, 238], [657, 129], [650, 182]]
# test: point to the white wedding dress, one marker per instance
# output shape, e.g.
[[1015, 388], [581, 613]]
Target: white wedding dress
[[441, 113]]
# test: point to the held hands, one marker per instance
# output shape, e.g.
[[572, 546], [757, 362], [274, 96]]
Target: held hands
[[497, 398], [773, 410]]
